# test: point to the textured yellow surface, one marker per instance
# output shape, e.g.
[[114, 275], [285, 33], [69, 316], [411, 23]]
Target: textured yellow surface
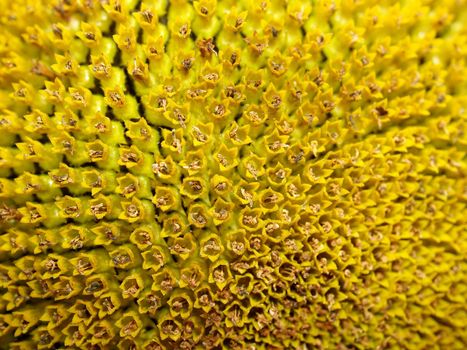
[[233, 174]]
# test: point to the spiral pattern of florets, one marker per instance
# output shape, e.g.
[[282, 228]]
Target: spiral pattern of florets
[[233, 174]]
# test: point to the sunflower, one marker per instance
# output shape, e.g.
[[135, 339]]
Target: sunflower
[[222, 174]]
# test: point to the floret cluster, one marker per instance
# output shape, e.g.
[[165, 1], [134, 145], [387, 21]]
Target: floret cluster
[[271, 174]]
